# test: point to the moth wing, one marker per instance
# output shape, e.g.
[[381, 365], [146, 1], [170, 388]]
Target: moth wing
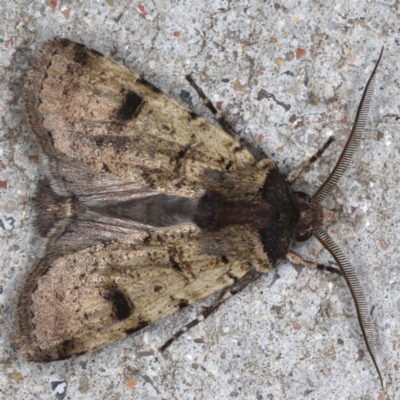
[[127, 167], [86, 106], [105, 292], [115, 142]]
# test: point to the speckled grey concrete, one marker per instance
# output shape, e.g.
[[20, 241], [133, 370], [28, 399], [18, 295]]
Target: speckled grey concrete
[[294, 333]]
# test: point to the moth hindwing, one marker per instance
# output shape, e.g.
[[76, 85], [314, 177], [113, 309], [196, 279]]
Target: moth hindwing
[[146, 207]]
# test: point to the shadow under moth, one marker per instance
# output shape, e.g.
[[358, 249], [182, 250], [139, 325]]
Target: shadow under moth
[[147, 208]]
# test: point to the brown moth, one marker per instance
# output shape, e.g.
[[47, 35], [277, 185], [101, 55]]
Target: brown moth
[[148, 208]]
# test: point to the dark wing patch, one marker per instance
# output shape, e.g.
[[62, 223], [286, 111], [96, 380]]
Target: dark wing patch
[[121, 305], [81, 55], [149, 84], [130, 107]]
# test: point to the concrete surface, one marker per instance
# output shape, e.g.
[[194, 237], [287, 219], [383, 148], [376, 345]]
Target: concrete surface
[[293, 334]]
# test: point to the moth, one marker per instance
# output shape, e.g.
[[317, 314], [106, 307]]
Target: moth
[[147, 208]]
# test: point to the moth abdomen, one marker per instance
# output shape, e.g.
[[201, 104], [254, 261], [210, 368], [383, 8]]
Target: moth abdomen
[[157, 210]]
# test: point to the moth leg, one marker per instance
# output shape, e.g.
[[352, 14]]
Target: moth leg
[[230, 291], [295, 258], [225, 125], [297, 172]]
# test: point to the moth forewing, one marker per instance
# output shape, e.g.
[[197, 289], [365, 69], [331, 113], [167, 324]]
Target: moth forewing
[[146, 206]]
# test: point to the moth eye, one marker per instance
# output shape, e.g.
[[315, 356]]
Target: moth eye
[[302, 236]]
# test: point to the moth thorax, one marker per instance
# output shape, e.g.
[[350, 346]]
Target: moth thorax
[[311, 216]]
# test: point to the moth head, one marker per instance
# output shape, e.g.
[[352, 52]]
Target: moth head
[[312, 216]]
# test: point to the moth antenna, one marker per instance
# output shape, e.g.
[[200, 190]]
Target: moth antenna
[[352, 142], [356, 292]]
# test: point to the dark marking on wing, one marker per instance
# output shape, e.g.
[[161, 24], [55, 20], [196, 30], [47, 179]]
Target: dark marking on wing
[[141, 325], [99, 141], [193, 115], [81, 55], [183, 304], [130, 107], [96, 53], [119, 143], [174, 264], [225, 259], [76, 45], [181, 155], [149, 84], [64, 349], [232, 276], [157, 288], [66, 42], [122, 307]]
